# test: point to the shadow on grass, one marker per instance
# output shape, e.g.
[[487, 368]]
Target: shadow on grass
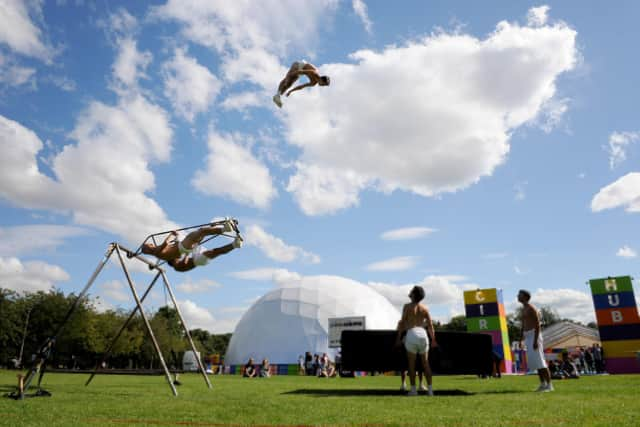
[[371, 392]]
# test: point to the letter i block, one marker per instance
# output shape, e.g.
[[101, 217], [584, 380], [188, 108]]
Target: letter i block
[[481, 310]]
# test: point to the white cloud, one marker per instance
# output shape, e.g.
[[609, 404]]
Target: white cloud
[[233, 172], [27, 239], [260, 274], [623, 192], [441, 292], [19, 31], [116, 290], [626, 252], [394, 264], [537, 16], [275, 248], [29, 276], [436, 131], [241, 101], [618, 144], [239, 25], [568, 303], [203, 285], [196, 317], [552, 113], [320, 191], [101, 179], [189, 86], [13, 74], [407, 233], [130, 64], [360, 8]]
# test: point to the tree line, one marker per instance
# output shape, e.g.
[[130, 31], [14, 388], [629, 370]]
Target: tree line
[[27, 320]]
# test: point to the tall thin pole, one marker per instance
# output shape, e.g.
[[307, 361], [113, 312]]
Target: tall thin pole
[[146, 322], [113, 342], [24, 336], [186, 329]]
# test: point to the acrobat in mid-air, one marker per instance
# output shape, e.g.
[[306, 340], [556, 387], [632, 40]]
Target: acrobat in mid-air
[[298, 69], [187, 254]]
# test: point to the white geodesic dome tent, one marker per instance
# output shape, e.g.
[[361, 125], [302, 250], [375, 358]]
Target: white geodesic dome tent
[[293, 319]]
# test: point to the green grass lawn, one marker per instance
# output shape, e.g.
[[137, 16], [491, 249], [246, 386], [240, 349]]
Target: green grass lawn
[[117, 400]]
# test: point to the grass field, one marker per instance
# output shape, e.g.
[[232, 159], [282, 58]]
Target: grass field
[[117, 400]]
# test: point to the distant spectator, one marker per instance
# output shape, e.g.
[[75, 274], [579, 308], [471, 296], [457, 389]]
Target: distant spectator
[[598, 358], [301, 368], [588, 361], [249, 369], [308, 363], [316, 365], [265, 369], [568, 368]]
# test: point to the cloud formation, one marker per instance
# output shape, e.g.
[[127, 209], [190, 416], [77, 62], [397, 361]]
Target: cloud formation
[[394, 264], [430, 132], [624, 192], [275, 248], [618, 144], [233, 172], [30, 239], [407, 233], [189, 86], [29, 276], [626, 252]]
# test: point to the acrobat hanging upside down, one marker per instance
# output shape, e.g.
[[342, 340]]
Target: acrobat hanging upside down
[[187, 254]]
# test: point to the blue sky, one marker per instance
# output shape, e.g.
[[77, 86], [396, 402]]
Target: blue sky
[[460, 145]]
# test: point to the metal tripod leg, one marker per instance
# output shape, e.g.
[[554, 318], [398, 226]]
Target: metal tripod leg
[[186, 329], [146, 323]]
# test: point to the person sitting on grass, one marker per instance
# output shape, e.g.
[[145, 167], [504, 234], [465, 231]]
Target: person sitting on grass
[[265, 369], [249, 370]]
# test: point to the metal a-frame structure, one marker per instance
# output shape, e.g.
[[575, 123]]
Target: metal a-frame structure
[[38, 367]]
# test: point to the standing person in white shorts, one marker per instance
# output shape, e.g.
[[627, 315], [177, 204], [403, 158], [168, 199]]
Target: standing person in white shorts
[[532, 337], [297, 70], [416, 322]]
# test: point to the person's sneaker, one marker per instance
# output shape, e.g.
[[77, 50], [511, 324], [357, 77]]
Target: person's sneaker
[[277, 100], [542, 387], [422, 387], [412, 392], [237, 242], [429, 392], [549, 388], [228, 225], [403, 387]]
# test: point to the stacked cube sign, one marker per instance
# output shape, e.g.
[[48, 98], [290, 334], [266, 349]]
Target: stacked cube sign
[[485, 313], [618, 323]]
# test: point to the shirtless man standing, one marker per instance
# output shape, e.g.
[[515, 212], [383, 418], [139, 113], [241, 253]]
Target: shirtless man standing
[[415, 318], [298, 69], [533, 341]]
